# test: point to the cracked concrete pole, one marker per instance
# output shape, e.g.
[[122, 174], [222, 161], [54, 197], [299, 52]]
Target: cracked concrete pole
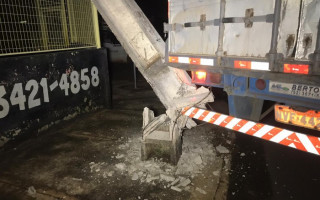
[[146, 48]]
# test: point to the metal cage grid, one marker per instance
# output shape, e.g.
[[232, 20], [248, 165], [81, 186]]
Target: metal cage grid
[[29, 26]]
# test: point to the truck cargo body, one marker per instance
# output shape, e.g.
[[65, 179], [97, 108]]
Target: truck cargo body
[[255, 50]]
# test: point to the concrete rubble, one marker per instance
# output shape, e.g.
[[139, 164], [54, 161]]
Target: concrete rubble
[[222, 149], [184, 183], [31, 191], [195, 157], [176, 188], [135, 177], [216, 173], [167, 178], [121, 166], [201, 190]]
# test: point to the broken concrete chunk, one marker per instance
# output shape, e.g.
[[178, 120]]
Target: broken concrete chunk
[[148, 165], [198, 160], [31, 191], [182, 179], [187, 188], [167, 178], [185, 182], [148, 116], [121, 166], [154, 124], [222, 149], [216, 173], [201, 190], [175, 181], [150, 179], [110, 173], [119, 156], [77, 179], [176, 188], [190, 124], [135, 177], [94, 167]]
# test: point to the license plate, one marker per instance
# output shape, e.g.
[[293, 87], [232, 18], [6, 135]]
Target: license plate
[[309, 119]]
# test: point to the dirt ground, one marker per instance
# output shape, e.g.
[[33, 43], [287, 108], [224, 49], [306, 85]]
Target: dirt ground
[[97, 156]]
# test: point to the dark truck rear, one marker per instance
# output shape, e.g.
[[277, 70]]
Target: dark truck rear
[[255, 50]]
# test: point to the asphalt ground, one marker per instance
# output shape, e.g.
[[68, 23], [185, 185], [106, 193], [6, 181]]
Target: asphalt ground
[[268, 170], [77, 158], [97, 156]]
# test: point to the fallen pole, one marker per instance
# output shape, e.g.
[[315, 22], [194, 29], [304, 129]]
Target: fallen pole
[[147, 50]]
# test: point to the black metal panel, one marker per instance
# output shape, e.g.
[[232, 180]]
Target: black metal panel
[[23, 76]]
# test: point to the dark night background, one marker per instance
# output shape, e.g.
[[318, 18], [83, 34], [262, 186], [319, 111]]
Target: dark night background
[[156, 11]]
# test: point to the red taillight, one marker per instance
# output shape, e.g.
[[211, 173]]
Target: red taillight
[[296, 69], [199, 77], [261, 84]]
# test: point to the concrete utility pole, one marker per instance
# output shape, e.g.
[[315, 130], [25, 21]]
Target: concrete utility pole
[[172, 86], [147, 50]]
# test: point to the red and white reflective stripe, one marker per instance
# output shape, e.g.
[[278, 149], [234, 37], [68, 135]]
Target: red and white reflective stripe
[[285, 137], [254, 65], [190, 60]]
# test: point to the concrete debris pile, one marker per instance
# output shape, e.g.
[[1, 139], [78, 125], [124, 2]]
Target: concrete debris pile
[[195, 156]]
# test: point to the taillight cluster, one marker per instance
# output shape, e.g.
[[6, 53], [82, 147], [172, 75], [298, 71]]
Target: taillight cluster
[[206, 78]]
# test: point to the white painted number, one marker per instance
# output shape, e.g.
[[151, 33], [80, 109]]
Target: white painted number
[[75, 85], [3, 103], [44, 85], [17, 97], [95, 78], [64, 85], [32, 102], [85, 78]]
